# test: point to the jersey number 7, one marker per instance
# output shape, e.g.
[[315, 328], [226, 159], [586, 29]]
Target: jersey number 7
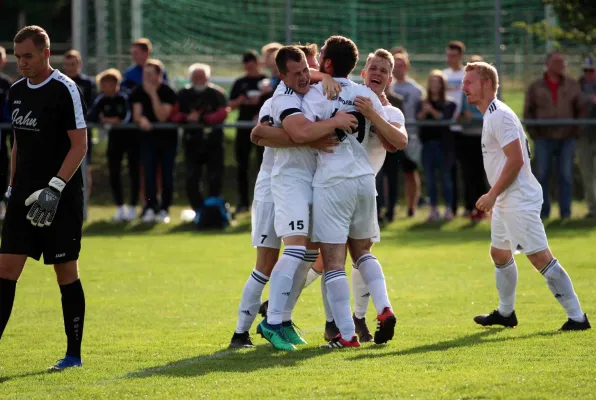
[[361, 129]]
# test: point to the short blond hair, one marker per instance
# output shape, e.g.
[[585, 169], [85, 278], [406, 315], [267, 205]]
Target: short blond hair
[[486, 71], [382, 54], [402, 56], [270, 47], [476, 58], [144, 44], [158, 65], [111, 73], [70, 54]]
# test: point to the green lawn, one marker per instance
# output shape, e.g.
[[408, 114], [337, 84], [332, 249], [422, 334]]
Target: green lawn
[[161, 308]]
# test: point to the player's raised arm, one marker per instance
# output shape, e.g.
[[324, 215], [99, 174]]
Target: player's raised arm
[[393, 134]]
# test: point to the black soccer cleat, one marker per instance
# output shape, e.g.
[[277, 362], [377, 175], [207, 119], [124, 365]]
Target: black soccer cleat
[[495, 318], [331, 331], [386, 322], [241, 341], [362, 330], [263, 308], [572, 325]]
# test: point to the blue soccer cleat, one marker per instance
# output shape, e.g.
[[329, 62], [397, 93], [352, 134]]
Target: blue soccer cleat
[[66, 362]]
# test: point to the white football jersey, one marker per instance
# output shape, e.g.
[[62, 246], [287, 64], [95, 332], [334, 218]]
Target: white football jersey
[[501, 126], [455, 82], [376, 151], [299, 162], [350, 158], [263, 183]]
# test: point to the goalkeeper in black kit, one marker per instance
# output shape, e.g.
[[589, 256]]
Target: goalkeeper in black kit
[[45, 199]]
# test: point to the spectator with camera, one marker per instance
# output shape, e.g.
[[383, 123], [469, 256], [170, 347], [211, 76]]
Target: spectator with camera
[[152, 103], [202, 102]]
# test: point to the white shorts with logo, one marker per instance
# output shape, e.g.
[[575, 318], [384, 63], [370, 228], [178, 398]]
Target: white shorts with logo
[[518, 231], [346, 210], [263, 229], [293, 200]]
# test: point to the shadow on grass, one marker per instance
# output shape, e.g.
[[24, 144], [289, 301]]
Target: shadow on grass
[[26, 375], [109, 228], [262, 357], [482, 337]]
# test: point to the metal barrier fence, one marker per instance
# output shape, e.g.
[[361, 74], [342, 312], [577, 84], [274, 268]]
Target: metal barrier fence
[[409, 122]]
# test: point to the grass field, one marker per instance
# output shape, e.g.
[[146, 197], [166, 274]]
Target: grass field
[[162, 301]]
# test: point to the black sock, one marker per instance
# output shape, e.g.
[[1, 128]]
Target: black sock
[[7, 291], [73, 310]]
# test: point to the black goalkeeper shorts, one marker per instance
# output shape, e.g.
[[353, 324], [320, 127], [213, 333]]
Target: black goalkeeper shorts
[[59, 243]]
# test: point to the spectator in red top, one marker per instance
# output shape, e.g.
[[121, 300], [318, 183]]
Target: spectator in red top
[[554, 96]]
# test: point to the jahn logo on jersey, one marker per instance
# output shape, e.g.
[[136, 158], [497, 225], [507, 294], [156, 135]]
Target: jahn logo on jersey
[[22, 121]]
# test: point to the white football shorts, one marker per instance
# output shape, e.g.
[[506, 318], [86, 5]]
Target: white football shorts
[[293, 200], [263, 228], [346, 210], [518, 231]]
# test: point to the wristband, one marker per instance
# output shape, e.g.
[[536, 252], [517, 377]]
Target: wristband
[[57, 183]]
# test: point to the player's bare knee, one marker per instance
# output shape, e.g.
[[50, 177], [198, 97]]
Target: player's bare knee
[[296, 240], [67, 273], [541, 258], [266, 259], [359, 247], [500, 256], [334, 256], [11, 266]]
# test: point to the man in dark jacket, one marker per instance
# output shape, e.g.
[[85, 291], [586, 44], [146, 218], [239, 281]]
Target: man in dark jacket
[[554, 96]]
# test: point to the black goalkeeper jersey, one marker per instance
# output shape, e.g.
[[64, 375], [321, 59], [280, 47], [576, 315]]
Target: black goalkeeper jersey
[[42, 115]]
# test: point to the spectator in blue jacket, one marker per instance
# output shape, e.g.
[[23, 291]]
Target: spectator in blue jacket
[[140, 52]]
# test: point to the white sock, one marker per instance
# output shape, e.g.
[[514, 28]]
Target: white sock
[[560, 285], [372, 275], [251, 300], [281, 282], [326, 305], [338, 293], [360, 293], [298, 283], [506, 277], [311, 277]]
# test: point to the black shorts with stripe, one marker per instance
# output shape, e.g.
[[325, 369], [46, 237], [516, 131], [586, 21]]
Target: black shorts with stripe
[[59, 243]]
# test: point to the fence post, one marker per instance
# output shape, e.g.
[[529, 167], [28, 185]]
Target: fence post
[[498, 42], [288, 21], [101, 61], [118, 31], [79, 29], [137, 19]]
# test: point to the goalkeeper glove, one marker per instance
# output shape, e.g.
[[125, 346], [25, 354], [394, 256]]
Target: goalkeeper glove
[[45, 203]]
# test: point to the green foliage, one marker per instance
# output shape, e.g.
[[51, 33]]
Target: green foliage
[[576, 23]]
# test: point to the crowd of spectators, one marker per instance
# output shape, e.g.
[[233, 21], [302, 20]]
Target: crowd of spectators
[[445, 154]]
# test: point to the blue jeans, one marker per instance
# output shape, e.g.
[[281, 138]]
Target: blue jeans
[[159, 151], [562, 150], [436, 157]]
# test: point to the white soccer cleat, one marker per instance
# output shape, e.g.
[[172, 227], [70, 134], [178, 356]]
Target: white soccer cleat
[[162, 217], [131, 213], [120, 214], [149, 216]]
